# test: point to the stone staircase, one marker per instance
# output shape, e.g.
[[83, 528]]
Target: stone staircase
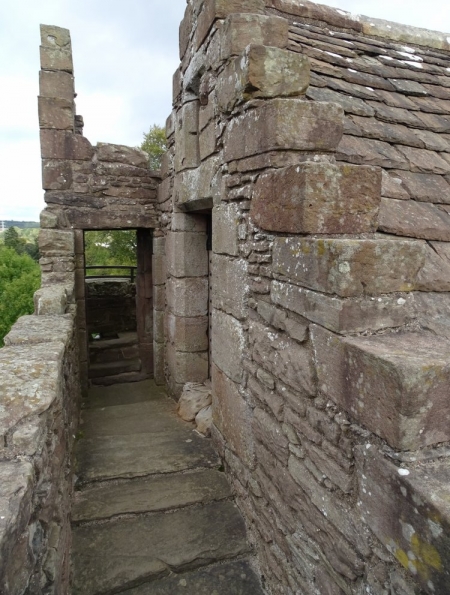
[[115, 360], [153, 514]]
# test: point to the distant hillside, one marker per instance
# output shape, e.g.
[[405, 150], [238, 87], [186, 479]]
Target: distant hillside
[[20, 224]]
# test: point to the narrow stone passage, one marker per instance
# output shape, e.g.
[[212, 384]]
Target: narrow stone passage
[[153, 515]]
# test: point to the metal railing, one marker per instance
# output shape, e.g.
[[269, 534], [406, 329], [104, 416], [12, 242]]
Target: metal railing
[[131, 272]]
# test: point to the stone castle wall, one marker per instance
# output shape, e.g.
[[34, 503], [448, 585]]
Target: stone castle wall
[[329, 383], [298, 260]]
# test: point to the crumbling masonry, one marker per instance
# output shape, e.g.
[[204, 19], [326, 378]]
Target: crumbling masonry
[[300, 227]]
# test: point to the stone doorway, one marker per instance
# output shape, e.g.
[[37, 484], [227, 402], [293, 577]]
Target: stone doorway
[[119, 306]]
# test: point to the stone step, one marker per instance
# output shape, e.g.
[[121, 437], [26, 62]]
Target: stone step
[[105, 369], [230, 578], [101, 396], [123, 340], [127, 552], [153, 494], [395, 384], [124, 378], [138, 439]]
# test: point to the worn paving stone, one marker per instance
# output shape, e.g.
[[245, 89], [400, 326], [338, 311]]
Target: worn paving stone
[[134, 418], [134, 455], [100, 396], [233, 578], [125, 552], [149, 495]]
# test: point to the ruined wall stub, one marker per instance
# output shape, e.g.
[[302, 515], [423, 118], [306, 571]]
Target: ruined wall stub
[[329, 389], [86, 188]]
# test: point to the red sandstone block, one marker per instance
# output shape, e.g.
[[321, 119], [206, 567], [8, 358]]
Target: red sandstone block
[[56, 112], [187, 153], [232, 416], [62, 144], [56, 84], [220, 9], [262, 72], [396, 385], [318, 198], [407, 508], [350, 267], [284, 124], [241, 30]]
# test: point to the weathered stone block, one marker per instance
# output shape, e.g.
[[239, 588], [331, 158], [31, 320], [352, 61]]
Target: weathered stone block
[[343, 315], [225, 228], [435, 274], [199, 188], [280, 319], [56, 174], [350, 267], [284, 124], [408, 510], [159, 268], [61, 144], [188, 334], [268, 431], [414, 219], [284, 358], [318, 198], [230, 285], [187, 367], [396, 384], [262, 72], [159, 363], [52, 36], [56, 112], [54, 242], [186, 254], [56, 84], [187, 152], [188, 297], [241, 30], [40, 329], [220, 9], [185, 30], [208, 141], [56, 59], [232, 416], [227, 332], [122, 154]]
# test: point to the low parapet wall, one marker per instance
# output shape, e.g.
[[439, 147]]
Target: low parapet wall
[[39, 405]]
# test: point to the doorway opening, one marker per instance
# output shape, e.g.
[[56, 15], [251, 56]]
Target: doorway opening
[[119, 305]]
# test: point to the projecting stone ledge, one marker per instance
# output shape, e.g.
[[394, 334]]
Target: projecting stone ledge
[[396, 385], [409, 511]]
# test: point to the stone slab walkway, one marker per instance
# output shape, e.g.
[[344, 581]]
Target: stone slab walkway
[[153, 515]]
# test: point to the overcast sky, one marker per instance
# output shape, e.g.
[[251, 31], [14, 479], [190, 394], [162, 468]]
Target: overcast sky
[[125, 53]]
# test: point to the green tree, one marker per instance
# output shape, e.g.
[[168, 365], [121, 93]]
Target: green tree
[[12, 240], [20, 277], [109, 248], [155, 144]]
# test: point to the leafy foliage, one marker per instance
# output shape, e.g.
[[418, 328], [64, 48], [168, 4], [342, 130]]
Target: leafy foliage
[[22, 240], [155, 144], [110, 248], [20, 277]]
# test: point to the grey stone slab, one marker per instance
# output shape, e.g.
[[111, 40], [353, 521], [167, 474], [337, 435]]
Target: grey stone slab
[[152, 494], [134, 455], [126, 552], [122, 394], [233, 578], [135, 418]]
